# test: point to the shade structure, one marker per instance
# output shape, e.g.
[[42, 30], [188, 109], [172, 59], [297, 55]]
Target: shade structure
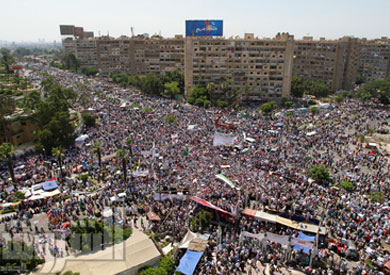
[[209, 205], [189, 261], [50, 185]]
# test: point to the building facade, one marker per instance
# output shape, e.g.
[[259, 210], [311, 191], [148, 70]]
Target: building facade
[[333, 62], [264, 67], [374, 61]]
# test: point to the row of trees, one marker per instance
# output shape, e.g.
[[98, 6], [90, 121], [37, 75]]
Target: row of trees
[[170, 84], [300, 87], [378, 89], [6, 59], [52, 114]]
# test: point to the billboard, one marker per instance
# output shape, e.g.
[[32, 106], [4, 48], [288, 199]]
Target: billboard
[[78, 31], [67, 29], [204, 27], [88, 35]]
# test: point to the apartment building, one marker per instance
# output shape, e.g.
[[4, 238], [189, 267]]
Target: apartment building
[[22, 128], [374, 61], [333, 62], [263, 66], [140, 55]]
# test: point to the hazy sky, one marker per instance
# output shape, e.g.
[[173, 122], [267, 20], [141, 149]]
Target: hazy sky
[[30, 20]]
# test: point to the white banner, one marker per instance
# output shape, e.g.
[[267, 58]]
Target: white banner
[[165, 196], [221, 139], [140, 173]]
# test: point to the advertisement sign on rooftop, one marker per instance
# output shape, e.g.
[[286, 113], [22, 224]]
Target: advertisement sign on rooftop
[[204, 27]]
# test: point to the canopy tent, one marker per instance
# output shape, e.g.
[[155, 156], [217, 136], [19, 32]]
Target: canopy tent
[[273, 218], [50, 184], [227, 181], [312, 228], [305, 237], [249, 212], [209, 205], [261, 215], [185, 242], [189, 262], [81, 138]]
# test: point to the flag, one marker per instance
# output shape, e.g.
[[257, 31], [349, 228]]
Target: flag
[[227, 181]]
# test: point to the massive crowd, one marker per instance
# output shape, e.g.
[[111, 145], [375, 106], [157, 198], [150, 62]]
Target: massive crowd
[[270, 173]]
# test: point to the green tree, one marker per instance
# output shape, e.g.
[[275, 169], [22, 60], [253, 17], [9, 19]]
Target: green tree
[[377, 197], [297, 86], [70, 273], [129, 143], [6, 59], [170, 118], [59, 153], [32, 100], [121, 154], [288, 104], [7, 107], [268, 107], [6, 151], [88, 120], [18, 253], [202, 220], [314, 110], [359, 79], [211, 87], [379, 89], [70, 61], [319, 173], [97, 147], [171, 88], [58, 132], [347, 185]]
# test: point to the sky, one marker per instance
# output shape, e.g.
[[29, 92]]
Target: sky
[[30, 20]]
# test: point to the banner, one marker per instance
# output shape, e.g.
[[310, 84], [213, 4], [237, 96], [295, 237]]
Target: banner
[[140, 173], [204, 27], [165, 196], [224, 139], [227, 181]]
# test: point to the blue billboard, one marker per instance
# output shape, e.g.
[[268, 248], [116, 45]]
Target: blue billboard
[[204, 27]]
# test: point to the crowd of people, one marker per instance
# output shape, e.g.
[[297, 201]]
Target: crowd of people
[[269, 173]]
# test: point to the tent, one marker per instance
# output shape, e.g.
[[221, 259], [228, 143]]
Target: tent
[[189, 261], [49, 185], [209, 205], [81, 138]]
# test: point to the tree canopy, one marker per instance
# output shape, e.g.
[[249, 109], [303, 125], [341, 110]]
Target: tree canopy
[[268, 107], [319, 173], [379, 89], [300, 87]]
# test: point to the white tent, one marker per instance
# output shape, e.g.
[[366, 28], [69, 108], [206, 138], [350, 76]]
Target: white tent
[[82, 138]]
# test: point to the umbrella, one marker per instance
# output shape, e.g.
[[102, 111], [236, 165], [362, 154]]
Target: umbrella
[[65, 225]]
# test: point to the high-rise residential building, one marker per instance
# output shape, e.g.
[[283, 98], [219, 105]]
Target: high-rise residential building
[[263, 66], [333, 62], [140, 55], [374, 61]]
